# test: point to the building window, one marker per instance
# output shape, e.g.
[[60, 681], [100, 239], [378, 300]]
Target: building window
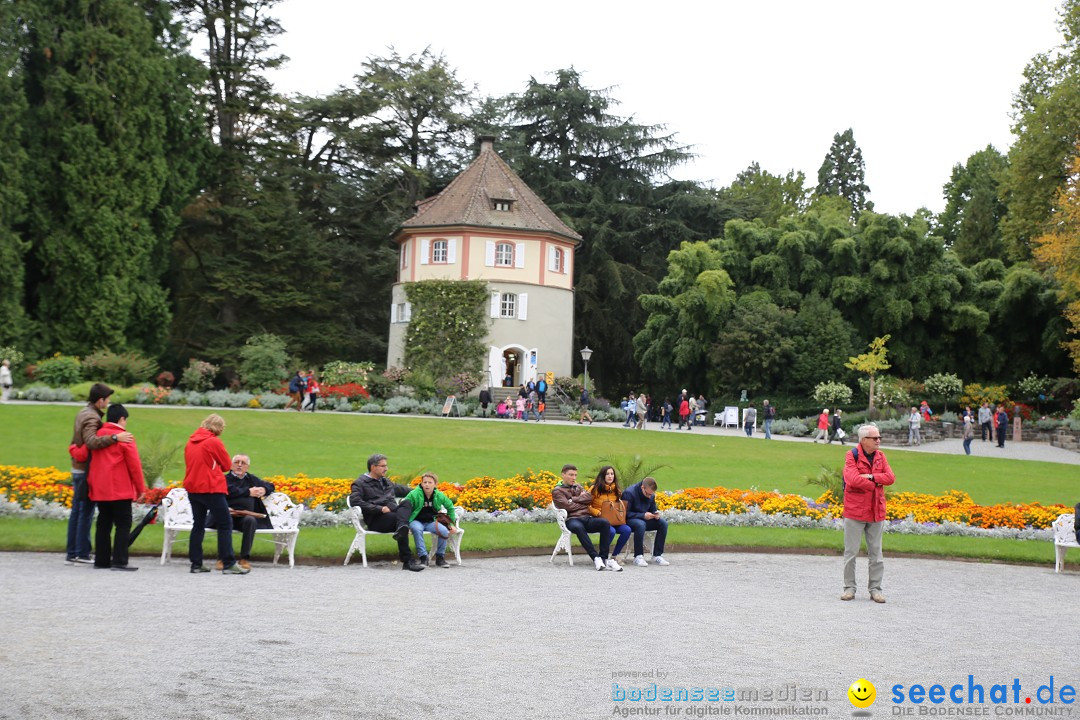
[[404, 256], [402, 315], [501, 205], [439, 252], [504, 255], [558, 261], [508, 306]]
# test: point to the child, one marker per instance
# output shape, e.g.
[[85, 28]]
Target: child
[[313, 390], [520, 403], [116, 478]]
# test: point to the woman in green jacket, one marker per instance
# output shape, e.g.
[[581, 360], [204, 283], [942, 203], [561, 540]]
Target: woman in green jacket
[[427, 503]]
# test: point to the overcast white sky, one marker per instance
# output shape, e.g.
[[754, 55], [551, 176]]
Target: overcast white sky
[[924, 83]]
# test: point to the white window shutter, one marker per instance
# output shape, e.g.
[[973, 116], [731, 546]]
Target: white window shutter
[[451, 251], [425, 251], [551, 258], [408, 311], [393, 312], [494, 303], [489, 255], [519, 255], [523, 306]]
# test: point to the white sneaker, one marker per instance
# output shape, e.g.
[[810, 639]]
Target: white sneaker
[[659, 560], [640, 561], [598, 561], [613, 565]]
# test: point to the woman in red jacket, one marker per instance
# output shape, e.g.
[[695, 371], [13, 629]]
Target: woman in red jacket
[[116, 478], [206, 463]]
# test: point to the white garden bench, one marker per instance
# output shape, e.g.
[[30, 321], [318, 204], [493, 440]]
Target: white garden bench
[[565, 537], [359, 543], [1064, 538], [284, 515]]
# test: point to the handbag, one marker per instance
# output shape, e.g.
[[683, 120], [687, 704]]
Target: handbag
[[840, 433], [613, 512]]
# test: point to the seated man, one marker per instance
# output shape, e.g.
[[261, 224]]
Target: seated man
[[568, 495], [246, 493], [642, 516], [377, 497]]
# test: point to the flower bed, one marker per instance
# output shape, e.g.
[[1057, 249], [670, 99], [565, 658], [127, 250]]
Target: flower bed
[[530, 492]]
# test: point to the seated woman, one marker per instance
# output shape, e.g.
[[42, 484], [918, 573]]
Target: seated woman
[[501, 410], [427, 503], [606, 488]]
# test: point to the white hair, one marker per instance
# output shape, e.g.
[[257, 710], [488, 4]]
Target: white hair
[[864, 430]]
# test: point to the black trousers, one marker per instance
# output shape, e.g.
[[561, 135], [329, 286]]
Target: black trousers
[[390, 522], [246, 525], [112, 514], [583, 526]]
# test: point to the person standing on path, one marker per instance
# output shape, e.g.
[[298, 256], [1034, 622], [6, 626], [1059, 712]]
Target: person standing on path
[[750, 420], [1002, 419], [986, 421], [914, 434], [866, 474], [769, 413], [969, 433], [584, 400], [206, 461], [6, 380]]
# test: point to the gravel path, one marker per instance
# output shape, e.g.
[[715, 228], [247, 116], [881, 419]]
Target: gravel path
[[513, 637]]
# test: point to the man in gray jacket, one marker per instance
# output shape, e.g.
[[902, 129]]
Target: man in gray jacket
[[377, 499]]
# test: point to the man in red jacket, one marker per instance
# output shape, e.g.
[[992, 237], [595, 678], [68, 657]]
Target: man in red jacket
[[866, 473]]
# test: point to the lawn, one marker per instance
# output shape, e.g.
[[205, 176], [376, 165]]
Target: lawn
[[336, 445]]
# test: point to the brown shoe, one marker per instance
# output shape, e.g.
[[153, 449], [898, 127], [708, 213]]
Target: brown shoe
[[877, 597], [219, 565], [246, 564], [848, 595]]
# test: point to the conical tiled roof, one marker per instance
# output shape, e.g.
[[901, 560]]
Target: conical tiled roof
[[470, 200]]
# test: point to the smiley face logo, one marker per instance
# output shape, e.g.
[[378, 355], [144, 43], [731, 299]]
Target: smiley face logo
[[862, 693]]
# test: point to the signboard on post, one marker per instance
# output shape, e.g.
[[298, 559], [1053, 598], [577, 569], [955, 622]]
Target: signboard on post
[[731, 416], [448, 406]]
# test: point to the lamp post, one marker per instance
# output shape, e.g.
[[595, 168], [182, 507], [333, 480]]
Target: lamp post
[[586, 353]]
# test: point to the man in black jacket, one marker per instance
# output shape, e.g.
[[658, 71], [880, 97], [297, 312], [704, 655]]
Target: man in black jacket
[[246, 493], [377, 498]]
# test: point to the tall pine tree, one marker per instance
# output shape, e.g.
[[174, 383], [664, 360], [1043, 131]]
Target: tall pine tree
[[843, 173]]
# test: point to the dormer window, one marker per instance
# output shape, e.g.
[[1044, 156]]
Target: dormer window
[[501, 205]]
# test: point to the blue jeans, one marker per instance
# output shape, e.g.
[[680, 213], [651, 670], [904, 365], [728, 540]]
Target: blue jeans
[[967, 445], [418, 529], [640, 527], [624, 536], [218, 505], [768, 428], [81, 518]]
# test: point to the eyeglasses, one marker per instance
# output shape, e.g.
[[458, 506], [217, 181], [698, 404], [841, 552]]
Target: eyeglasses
[[873, 437]]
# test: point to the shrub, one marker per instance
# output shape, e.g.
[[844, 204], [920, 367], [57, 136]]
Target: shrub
[[198, 375], [118, 368], [421, 384], [273, 401], [459, 383], [152, 395], [43, 393], [196, 399], [238, 399], [371, 408], [12, 354], [976, 394], [341, 373], [381, 387], [263, 362], [177, 397], [340, 405], [165, 379], [944, 385], [401, 404], [791, 426], [395, 375], [348, 391], [831, 394], [59, 370], [157, 454]]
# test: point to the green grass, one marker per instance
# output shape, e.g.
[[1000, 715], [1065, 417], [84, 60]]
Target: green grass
[[330, 544], [333, 445]]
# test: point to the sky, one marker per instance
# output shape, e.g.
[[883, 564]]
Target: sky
[[923, 83]]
